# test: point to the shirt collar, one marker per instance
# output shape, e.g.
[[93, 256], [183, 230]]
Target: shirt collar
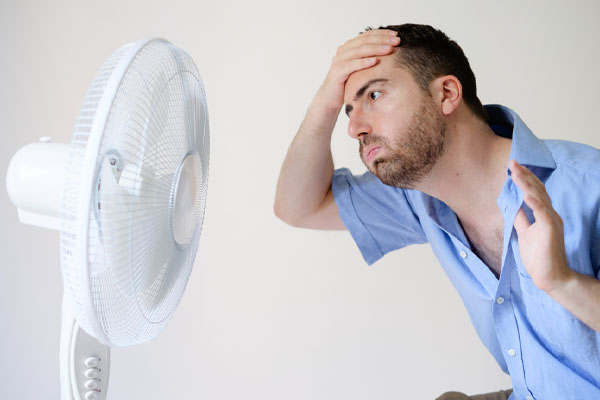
[[526, 148]]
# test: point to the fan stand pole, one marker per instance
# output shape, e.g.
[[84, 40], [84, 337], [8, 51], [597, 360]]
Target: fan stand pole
[[84, 361]]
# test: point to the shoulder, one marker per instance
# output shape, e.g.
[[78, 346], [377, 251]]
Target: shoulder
[[574, 185], [575, 157]]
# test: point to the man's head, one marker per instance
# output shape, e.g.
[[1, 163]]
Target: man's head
[[427, 53], [397, 108]]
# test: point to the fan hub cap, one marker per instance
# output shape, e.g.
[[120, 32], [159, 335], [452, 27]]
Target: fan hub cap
[[184, 208]]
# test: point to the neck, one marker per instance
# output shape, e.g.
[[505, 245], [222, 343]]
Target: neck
[[470, 174]]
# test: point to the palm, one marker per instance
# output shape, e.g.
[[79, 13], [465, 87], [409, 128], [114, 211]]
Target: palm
[[541, 243], [542, 251]]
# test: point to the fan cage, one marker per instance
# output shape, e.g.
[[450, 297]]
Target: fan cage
[[123, 272]]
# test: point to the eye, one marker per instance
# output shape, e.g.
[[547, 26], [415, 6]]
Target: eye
[[374, 95]]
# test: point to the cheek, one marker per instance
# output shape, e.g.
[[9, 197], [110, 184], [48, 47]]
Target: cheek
[[393, 118], [398, 105]]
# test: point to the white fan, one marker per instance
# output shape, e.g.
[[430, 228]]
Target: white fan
[[128, 196]]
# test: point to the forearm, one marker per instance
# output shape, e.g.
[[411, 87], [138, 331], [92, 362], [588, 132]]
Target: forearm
[[303, 190], [580, 294], [306, 173]]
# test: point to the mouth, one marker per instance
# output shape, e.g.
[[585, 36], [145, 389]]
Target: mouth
[[370, 153]]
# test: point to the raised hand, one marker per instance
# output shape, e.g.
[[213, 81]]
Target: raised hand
[[542, 243], [303, 197], [356, 54]]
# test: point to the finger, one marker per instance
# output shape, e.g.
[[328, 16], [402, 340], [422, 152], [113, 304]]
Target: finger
[[369, 39], [529, 176], [521, 222], [534, 193], [358, 59], [378, 41], [529, 183], [367, 50], [525, 173], [535, 204], [378, 32], [345, 69], [531, 191], [541, 207]]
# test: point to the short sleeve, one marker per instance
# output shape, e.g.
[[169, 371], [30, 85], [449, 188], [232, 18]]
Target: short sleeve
[[595, 251], [380, 218]]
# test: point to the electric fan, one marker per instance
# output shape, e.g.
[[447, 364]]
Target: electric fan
[[128, 196]]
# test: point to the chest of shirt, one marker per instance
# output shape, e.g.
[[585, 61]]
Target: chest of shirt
[[486, 239]]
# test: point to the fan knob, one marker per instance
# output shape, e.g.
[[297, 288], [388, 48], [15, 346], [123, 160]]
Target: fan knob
[[91, 362], [92, 395]]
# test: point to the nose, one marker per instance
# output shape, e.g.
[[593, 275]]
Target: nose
[[358, 125]]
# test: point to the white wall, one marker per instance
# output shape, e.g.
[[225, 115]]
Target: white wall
[[273, 312]]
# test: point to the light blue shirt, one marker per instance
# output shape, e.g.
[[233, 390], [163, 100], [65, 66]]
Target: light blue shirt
[[547, 351]]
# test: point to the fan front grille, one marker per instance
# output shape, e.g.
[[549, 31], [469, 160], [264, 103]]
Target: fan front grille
[[136, 271]]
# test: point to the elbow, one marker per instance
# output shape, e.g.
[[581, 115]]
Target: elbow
[[278, 211], [283, 213]]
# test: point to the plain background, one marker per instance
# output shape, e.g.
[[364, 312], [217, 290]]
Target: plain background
[[273, 312]]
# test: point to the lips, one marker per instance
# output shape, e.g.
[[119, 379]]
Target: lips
[[369, 153]]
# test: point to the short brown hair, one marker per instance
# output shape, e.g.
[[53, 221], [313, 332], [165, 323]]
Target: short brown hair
[[427, 53]]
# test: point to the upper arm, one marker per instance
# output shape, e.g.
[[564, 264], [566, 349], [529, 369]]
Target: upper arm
[[325, 217]]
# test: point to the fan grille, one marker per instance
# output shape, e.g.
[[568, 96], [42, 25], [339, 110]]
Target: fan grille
[[136, 272]]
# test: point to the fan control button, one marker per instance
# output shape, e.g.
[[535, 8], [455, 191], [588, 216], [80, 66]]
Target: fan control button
[[92, 395], [92, 384], [91, 362], [92, 373]]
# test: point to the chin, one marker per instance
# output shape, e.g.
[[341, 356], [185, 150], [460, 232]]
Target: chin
[[396, 175], [373, 165]]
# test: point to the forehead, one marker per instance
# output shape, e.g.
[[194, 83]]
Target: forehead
[[386, 68]]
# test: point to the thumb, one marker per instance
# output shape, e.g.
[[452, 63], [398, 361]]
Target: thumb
[[521, 222]]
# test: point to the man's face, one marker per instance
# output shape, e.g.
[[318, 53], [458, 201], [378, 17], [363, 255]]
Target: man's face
[[401, 132]]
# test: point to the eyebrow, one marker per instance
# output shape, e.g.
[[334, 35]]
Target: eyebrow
[[362, 91]]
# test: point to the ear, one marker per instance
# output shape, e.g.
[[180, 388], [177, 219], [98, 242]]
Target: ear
[[447, 92]]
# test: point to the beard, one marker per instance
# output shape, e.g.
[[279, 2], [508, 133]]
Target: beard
[[409, 159]]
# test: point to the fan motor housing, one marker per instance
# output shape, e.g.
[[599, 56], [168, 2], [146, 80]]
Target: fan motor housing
[[35, 182]]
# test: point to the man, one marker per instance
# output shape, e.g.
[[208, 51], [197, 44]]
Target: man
[[514, 220]]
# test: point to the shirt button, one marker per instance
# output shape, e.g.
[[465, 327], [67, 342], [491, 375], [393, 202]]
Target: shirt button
[[500, 300], [528, 398], [512, 352], [463, 254]]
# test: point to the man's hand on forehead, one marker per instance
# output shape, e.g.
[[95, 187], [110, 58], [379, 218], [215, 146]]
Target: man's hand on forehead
[[356, 54]]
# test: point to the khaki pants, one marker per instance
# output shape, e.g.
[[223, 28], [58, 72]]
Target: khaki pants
[[501, 395]]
